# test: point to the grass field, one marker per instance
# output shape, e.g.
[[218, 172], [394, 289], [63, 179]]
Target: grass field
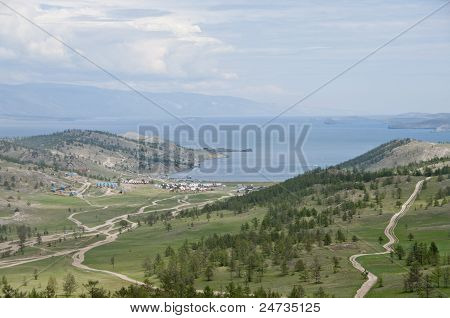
[[427, 225], [368, 226], [340, 284], [49, 212], [56, 267], [146, 241], [47, 248], [133, 247], [6, 213]]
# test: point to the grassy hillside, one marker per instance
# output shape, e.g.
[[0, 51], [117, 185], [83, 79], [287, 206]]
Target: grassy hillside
[[99, 154], [289, 239], [398, 153], [319, 218]]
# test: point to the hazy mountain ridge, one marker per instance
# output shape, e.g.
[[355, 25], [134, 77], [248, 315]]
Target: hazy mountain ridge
[[81, 102], [440, 121]]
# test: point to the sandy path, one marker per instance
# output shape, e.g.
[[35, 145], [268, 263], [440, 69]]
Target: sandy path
[[83, 188], [13, 246], [390, 234], [17, 262], [78, 257], [108, 229]]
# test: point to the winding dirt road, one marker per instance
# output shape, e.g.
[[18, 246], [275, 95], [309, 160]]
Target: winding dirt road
[[390, 234], [107, 228], [113, 234]]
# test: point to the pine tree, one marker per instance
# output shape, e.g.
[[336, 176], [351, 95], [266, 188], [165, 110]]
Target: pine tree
[[433, 254], [284, 268], [69, 285], [316, 268], [327, 239], [436, 276], [413, 279], [399, 251], [208, 292], [380, 239], [320, 293], [297, 292], [209, 272], [340, 236], [300, 266], [380, 282], [51, 288], [425, 287], [148, 267], [336, 265], [446, 277]]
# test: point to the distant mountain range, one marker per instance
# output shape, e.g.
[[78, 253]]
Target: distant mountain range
[[440, 122], [68, 102]]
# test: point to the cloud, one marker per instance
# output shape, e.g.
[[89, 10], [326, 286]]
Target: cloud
[[127, 13], [265, 51], [6, 54], [174, 25], [128, 41], [25, 40]]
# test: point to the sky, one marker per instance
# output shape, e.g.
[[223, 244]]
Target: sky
[[270, 51]]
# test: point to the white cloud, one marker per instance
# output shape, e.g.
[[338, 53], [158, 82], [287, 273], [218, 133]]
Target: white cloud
[[141, 57], [172, 24], [171, 45], [25, 40], [273, 51], [6, 54]]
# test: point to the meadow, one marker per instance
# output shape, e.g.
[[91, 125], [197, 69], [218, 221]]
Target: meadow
[[426, 224], [133, 247]]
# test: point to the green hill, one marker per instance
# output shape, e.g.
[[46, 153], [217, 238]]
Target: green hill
[[398, 153], [99, 153]]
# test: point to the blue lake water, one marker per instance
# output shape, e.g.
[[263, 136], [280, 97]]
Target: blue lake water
[[326, 144]]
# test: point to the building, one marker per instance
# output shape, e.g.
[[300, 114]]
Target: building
[[107, 184], [137, 181], [189, 186]]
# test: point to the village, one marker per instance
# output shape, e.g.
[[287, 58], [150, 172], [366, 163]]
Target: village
[[172, 185], [182, 186]]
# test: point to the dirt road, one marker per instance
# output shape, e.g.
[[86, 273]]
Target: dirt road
[[113, 234], [390, 234], [107, 228]]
